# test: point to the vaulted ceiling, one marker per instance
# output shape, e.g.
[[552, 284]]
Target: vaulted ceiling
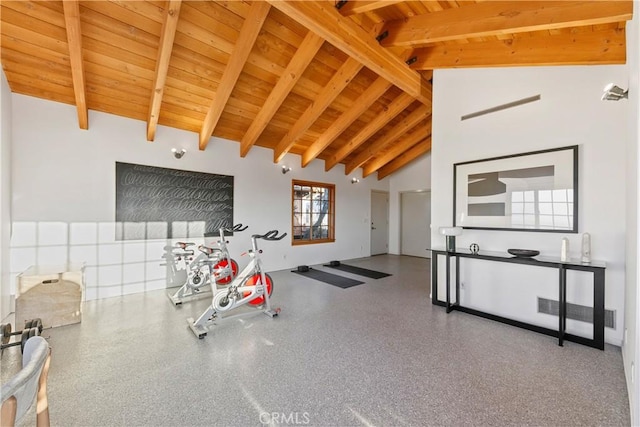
[[345, 82]]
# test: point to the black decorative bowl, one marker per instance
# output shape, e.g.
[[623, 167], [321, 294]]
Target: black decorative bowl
[[523, 253]]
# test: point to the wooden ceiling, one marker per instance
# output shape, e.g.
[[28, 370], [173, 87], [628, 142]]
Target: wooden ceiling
[[344, 82]]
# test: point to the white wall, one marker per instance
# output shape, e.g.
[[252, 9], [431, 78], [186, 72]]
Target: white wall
[[64, 196], [413, 177], [630, 346], [570, 112], [5, 198]]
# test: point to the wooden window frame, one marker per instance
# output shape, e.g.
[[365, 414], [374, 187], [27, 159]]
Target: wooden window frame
[[331, 213]]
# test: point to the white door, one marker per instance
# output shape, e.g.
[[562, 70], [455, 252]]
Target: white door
[[415, 223], [379, 223]]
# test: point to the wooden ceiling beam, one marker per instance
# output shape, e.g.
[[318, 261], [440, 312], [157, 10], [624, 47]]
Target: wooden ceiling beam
[[587, 48], [353, 7], [400, 146], [337, 83], [300, 61], [405, 158], [494, 18], [393, 134], [248, 34], [362, 104], [74, 39], [345, 34], [397, 106], [165, 47]]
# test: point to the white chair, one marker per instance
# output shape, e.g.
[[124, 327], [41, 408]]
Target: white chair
[[28, 385]]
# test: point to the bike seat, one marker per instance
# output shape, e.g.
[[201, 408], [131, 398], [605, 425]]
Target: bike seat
[[183, 245], [207, 250]]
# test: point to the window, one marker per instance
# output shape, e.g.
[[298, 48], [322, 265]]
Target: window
[[313, 212]]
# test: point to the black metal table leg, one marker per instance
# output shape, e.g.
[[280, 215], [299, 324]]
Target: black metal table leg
[[598, 308], [562, 303], [434, 278], [448, 283], [457, 281]]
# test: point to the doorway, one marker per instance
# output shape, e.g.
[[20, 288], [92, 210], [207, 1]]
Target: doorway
[[379, 222], [415, 223]]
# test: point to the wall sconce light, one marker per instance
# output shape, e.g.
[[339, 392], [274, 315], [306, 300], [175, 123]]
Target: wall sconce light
[[614, 93], [178, 153], [450, 233], [355, 180], [285, 169]]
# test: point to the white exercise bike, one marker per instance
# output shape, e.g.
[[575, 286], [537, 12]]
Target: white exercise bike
[[211, 263], [252, 287]]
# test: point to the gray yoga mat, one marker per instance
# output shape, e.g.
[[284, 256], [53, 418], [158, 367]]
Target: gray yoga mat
[[332, 279], [359, 271]]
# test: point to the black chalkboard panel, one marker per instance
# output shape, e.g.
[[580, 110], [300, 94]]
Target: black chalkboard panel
[[157, 203]]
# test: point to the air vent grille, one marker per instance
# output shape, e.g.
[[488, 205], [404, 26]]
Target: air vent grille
[[578, 312]]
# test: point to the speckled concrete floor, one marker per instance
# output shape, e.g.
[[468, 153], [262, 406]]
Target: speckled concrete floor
[[377, 354]]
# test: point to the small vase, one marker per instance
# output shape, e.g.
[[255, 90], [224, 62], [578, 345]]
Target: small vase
[[586, 247], [564, 250]]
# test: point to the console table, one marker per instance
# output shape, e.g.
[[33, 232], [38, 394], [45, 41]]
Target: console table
[[595, 267]]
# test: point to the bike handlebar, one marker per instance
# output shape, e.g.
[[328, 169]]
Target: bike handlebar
[[269, 235], [237, 227]]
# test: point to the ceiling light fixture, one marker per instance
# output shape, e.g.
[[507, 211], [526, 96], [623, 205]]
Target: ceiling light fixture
[[355, 180], [178, 153], [285, 169], [614, 93]]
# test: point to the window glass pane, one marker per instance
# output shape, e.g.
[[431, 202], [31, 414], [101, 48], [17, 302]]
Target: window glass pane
[[305, 219], [517, 196], [528, 196]]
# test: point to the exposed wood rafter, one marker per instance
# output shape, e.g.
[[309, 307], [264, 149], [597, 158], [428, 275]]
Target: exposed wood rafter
[[362, 104], [493, 18], [323, 19], [162, 65], [354, 7], [303, 57], [396, 107], [392, 135], [74, 38], [405, 158], [400, 146], [248, 34], [337, 83], [588, 48]]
